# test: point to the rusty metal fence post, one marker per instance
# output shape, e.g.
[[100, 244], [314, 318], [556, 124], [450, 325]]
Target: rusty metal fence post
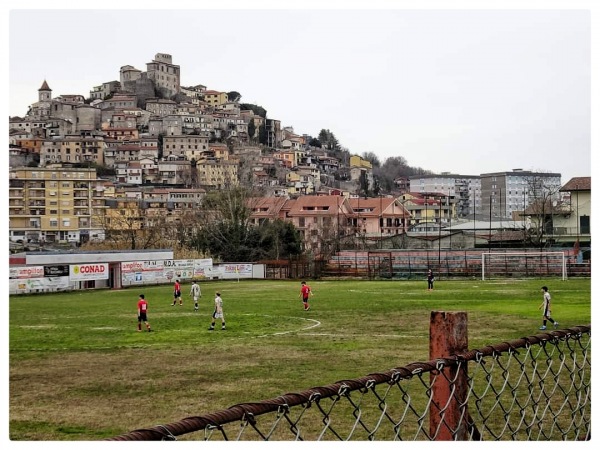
[[449, 385]]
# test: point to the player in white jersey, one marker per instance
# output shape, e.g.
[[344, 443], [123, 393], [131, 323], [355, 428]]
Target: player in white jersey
[[218, 313], [196, 293], [545, 307]]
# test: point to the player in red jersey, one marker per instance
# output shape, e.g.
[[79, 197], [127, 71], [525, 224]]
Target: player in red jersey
[[142, 310], [177, 294], [305, 293]]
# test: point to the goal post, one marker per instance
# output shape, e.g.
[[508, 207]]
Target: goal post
[[523, 264]]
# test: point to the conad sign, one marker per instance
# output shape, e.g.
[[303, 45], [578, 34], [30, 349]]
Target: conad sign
[[79, 272]]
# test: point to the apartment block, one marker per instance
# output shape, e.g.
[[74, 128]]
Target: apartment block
[[72, 150], [55, 204], [504, 193], [464, 191]]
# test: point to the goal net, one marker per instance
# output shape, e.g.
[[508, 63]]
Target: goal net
[[522, 265]]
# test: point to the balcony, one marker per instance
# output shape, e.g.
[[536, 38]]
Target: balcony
[[37, 193], [17, 184]]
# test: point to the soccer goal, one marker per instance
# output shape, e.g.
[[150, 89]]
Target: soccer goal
[[532, 264]]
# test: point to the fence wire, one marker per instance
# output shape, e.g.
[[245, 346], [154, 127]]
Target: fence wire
[[535, 388]]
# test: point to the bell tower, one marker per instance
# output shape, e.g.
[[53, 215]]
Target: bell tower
[[45, 93]]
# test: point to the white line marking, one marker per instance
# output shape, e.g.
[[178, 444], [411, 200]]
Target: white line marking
[[280, 333], [403, 336]]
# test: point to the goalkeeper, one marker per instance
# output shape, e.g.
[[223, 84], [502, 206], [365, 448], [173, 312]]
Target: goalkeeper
[[545, 307]]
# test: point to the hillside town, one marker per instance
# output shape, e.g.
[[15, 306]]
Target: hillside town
[[143, 151]]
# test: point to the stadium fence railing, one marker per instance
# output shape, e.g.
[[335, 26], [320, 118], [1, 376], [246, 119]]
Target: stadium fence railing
[[536, 388], [413, 264]]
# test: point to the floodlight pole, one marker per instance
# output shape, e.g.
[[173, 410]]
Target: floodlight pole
[[449, 208], [523, 218], [577, 211], [490, 234], [501, 214], [380, 222], [426, 216], [440, 236], [426, 232], [474, 228]]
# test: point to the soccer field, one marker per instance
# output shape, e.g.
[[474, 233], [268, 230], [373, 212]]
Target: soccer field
[[79, 370]]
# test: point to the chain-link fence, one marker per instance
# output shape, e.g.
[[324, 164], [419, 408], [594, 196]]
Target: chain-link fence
[[530, 389]]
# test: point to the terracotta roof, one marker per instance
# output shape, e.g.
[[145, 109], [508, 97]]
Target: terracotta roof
[[578, 184], [370, 206], [378, 206], [45, 87], [310, 205], [266, 206]]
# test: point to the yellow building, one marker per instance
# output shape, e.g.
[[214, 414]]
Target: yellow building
[[357, 161], [73, 150], [289, 158], [54, 204], [429, 210], [215, 98], [217, 174], [361, 170]]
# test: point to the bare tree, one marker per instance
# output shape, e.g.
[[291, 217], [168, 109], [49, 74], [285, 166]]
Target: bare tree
[[135, 226], [185, 175], [372, 158], [544, 202]]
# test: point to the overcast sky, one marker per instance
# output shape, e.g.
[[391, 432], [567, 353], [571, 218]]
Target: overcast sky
[[456, 90]]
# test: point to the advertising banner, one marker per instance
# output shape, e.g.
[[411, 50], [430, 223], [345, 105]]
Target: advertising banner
[[236, 271], [26, 272], [56, 271], [142, 272], [84, 272], [39, 285], [180, 269], [203, 268]]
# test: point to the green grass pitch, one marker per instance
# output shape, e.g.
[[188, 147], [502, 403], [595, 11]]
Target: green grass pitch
[[79, 370]]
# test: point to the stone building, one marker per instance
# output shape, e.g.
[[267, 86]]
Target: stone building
[[165, 75]]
